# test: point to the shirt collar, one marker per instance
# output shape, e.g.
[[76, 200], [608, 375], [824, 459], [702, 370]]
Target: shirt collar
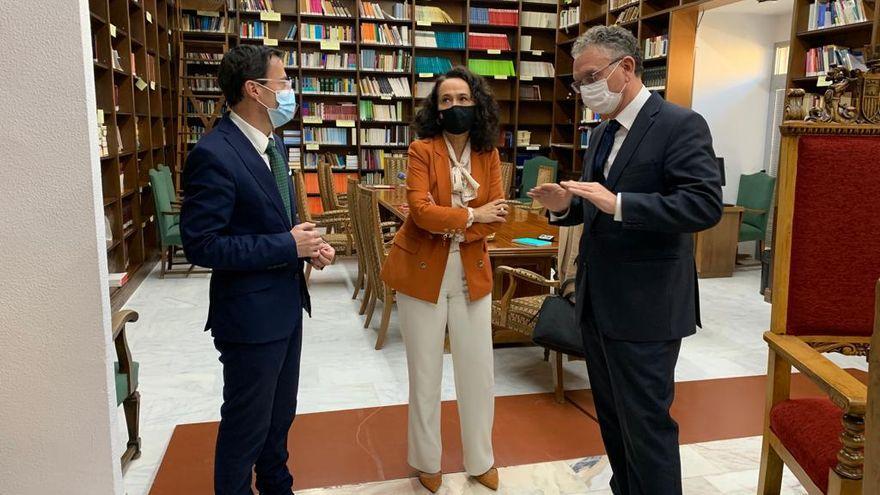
[[627, 116], [254, 135]]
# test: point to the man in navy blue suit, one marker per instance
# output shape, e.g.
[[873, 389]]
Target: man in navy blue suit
[[650, 179], [239, 218]]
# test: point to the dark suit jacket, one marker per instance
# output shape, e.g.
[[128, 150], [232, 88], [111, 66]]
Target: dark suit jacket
[[639, 274], [233, 221]]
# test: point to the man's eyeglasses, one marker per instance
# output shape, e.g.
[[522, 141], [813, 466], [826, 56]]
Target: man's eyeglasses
[[287, 83], [591, 78]]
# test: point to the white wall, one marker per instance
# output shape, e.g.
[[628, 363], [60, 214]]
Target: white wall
[[732, 72], [57, 406]]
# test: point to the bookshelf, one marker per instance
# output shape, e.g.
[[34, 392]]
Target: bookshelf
[[131, 44], [666, 30]]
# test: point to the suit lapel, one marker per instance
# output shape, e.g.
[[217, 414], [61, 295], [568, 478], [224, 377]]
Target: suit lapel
[[443, 172], [255, 165], [633, 138]]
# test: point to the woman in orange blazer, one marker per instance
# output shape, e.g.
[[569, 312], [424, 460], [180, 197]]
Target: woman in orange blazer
[[439, 265]]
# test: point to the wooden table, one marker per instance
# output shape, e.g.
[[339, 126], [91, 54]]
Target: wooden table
[[502, 249], [715, 248]]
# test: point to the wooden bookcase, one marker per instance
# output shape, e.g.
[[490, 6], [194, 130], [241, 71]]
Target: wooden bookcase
[[675, 19], [131, 43]]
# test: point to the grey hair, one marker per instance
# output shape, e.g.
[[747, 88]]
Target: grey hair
[[615, 41]]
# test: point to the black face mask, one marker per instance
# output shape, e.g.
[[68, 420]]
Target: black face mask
[[457, 119]]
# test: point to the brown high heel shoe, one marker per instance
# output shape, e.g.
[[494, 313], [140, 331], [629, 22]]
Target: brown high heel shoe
[[431, 481], [489, 479]]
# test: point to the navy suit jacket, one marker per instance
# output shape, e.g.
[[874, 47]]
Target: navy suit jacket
[[639, 274], [233, 221]]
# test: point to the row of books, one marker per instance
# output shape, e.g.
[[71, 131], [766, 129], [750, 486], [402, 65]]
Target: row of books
[[385, 86], [432, 65], [375, 159], [193, 134], [329, 135], [335, 160], [530, 92], [329, 111], [499, 17], [619, 4], [291, 137], [333, 8], [329, 85], [825, 14], [383, 34], [324, 60], [290, 60], [584, 137], [294, 157], [488, 41], [203, 82], [204, 58], [318, 32], [656, 47], [374, 112], [291, 32], [523, 138], [423, 88], [394, 135], [536, 69], [440, 39], [201, 23], [490, 68], [372, 10], [628, 15], [539, 19], [103, 147], [654, 77], [819, 60], [432, 15], [253, 29], [256, 5], [569, 17], [400, 60], [206, 106], [505, 139], [588, 116]]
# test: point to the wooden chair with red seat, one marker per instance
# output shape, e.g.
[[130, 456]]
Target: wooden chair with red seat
[[826, 266]]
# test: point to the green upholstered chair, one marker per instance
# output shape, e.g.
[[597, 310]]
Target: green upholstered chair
[[169, 181], [755, 196], [127, 395], [167, 218], [536, 171]]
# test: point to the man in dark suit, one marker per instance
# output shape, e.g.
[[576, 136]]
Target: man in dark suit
[[239, 218], [650, 179]]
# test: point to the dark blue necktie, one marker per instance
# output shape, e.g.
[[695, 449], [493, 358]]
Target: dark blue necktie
[[603, 150]]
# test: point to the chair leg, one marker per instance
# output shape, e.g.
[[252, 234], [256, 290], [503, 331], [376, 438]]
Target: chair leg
[[770, 479], [170, 258], [359, 283], [368, 290], [371, 307], [386, 318], [546, 354], [132, 407], [558, 375], [162, 262]]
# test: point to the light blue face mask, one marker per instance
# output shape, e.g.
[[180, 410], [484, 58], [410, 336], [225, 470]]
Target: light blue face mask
[[284, 112]]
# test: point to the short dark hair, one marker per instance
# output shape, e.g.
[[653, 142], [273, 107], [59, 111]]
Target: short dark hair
[[615, 41], [243, 63], [484, 134]]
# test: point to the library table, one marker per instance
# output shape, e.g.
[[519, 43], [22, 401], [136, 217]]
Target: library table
[[502, 249]]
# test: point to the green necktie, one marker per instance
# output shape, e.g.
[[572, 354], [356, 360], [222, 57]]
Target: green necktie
[[279, 170]]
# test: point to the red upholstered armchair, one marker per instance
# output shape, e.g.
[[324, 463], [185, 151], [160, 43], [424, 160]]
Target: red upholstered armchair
[[825, 299]]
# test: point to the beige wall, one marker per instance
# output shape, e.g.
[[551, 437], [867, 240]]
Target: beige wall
[[57, 405]]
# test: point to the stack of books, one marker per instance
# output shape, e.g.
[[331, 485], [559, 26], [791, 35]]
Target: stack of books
[[536, 69], [499, 17], [253, 29], [374, 112], [539, 19], [531, 92], [440, 39], [629, 15], [324, 60], [329, 111], [397, 61], [385, 86], [292, 139], [432, 15], [491, 67], [329, 135], [103, 147], [569, 17], [656, 47], [329, 86], [202, 24], [836, 13], [201, 58], [432, 65], [654, 78], [819, 60], [318, 32], [488, 41], [394, 136], [383, 34]]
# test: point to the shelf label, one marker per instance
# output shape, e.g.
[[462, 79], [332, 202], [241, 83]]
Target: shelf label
[[208, 13], [149, 17], [140, 84], [113, 30], [270, 42], [329, 44], [312, 146], [385, 97], [423, 23], [526, 78], [153, 85], [268, 15], [823, 81], [500, 78], [537, 52], [494, 52], [100, 116], [312, 119], [425, 75], [533, 147], [344, 123]]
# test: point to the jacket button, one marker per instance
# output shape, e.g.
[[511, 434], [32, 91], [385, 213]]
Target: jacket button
[[423, 265], [480, 263]]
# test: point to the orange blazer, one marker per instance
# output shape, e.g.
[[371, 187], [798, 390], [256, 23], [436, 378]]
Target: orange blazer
[[417, 260]]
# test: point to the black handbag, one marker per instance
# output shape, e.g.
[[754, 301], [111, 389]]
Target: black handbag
[[557, 328]]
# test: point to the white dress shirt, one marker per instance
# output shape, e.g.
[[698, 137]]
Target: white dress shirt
[[254, 135], [626, 118]]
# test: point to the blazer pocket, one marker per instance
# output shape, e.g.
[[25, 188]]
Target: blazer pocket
[[247, 286], [407, 243]]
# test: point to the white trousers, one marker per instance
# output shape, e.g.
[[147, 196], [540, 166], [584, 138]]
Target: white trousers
[[423, 326]]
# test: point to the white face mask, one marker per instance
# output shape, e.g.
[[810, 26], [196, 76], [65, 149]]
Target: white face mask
[[598, 98]]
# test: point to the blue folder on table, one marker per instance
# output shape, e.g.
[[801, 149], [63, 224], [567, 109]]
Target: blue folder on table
[[528, 241]]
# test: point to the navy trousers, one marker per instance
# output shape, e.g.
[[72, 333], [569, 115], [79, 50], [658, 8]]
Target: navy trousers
[[633, 384], [260, 383]]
